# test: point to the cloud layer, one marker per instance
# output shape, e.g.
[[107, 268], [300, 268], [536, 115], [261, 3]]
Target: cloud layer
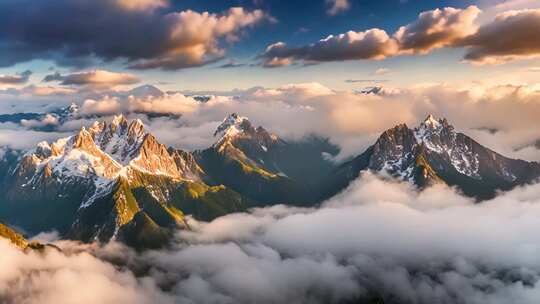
[[377, 240], [19, 78], [95, 78], [511, 35], [503, 118], [80, 32]]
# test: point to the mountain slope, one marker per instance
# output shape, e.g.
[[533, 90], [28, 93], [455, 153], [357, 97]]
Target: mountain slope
[[112, 180], [431, 153], [263, 166]]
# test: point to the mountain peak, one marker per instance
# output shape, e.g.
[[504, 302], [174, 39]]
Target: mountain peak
[[145, 91], [232, 125], [431, 121]]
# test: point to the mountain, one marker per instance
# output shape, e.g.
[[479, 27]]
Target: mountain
[[145, 91], [18, 239], [264, 167], [433, 153], [115, 180], [112, 180], [56, 117]]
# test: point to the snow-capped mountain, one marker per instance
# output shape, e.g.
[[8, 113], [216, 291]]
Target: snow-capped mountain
[[110, 180], [434, 152], [263, 166], [115, 180]]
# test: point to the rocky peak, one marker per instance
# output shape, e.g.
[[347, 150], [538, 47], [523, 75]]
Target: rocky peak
[[154, 157], [136, 129], [119, 124], [232, 125], [432, 126], [239, 131], [66, 113], [83, 140]]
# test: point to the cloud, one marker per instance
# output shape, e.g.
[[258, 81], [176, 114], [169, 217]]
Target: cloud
[[382, 71], [19, 78], [371, 44], [377, 240], [95, 78], [232, 64], [512, 35], [349, 119], [337, 6], [432, 30], [103, 30], [48, 120], [436, 29], [142, 5], [366, 80], [104, 106]]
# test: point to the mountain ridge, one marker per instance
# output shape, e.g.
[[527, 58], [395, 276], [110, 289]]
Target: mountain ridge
[[115, 180]]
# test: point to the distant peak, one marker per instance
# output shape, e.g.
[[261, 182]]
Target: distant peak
[[145, 91], [119, 120], [434, 123], [231, 125], [431, 121], [73, 107]]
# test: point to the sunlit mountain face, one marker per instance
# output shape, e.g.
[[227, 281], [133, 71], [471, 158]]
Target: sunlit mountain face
[[328, 151]]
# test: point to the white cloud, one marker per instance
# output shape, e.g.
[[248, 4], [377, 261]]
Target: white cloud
[[378, 237]]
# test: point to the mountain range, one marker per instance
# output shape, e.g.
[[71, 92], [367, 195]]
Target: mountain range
[[115, 180]]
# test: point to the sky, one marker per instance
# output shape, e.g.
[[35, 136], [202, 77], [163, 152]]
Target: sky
[[293, 67], [222, 45]]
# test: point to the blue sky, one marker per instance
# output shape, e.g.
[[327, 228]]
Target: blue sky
[[300, 23]]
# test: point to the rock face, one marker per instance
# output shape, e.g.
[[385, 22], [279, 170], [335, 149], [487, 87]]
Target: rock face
[[263, 166], [18, 240], [434, 152], [93, 185]]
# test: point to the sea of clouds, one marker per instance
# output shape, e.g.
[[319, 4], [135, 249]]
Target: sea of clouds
[[378, 239]]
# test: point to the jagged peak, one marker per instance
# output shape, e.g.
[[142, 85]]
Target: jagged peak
[[119, 120], [431, 122], [73, 108], [231, 125], [83, 140]]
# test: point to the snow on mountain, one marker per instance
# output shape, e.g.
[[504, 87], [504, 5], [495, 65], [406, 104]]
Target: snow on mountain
[[440, 137], [231, 126], [102, 153], [435, 136]]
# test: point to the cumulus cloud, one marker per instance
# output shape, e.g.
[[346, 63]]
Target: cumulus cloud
[[370, 44], [511, 35], [95, 78], [106, 30], [19, 78], [433, 29], [48, 120], [379, 240], [337, 6], [437, 28]]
